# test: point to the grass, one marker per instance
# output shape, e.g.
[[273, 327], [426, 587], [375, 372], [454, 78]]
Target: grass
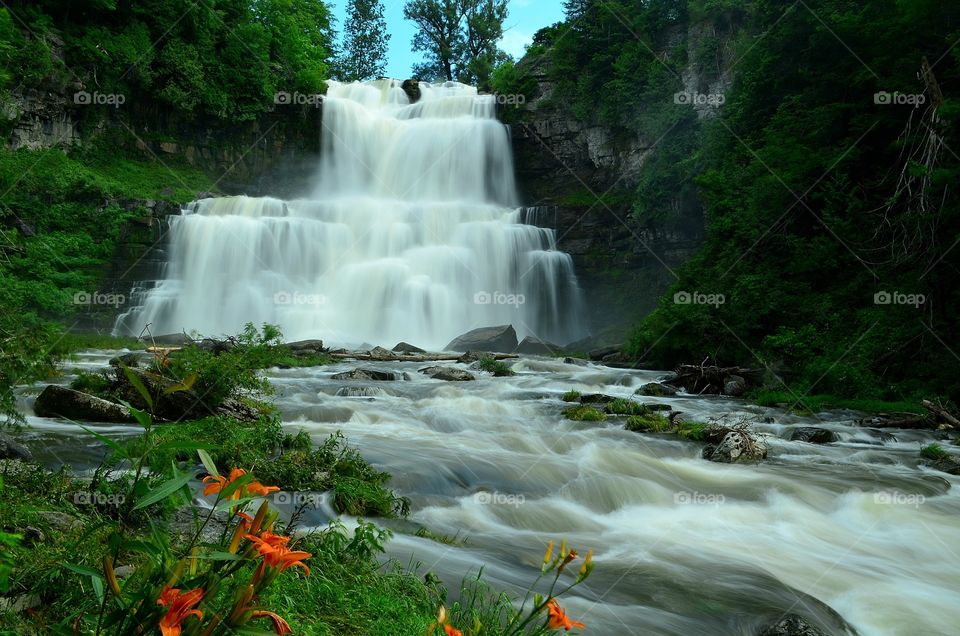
[[657, 423], [571, 396], [498, 368], [934, 452], [584, 413], [815, 403], [621, 406]]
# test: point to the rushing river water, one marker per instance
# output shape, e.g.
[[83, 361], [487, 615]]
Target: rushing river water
[[683, 546]]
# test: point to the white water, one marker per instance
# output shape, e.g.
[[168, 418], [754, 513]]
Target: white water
[[413, 233], [812, 528]]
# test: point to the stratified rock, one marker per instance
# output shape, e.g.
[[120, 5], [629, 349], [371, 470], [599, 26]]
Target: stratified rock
[[502, 339], [736, 447], [535, 346], [406, 347], [655, 389], [813, 435], [449, 374], [59, 401], [367, 375], [12, 449], [791, 625], [379, 353]]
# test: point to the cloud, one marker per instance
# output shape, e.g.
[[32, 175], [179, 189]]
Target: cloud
[[515, 42]]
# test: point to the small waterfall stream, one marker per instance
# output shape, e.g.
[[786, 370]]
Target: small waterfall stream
[[414, 233]]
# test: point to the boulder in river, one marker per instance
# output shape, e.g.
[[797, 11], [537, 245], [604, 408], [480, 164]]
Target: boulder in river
[[735, 447], [791, 625], [170, 339], [502, 339], [734, 386], [655, 389], [12, 449], [367, 375], [534, 346], [449, 374], [406, 347], [381, 354], [813, 435], [306, 347], [59, 401], [360, 391]]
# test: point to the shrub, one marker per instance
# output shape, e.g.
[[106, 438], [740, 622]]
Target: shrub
[[498, 368], [584, 413], [934, 452], [571, 396]]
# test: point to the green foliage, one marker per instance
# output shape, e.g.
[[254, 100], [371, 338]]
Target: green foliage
[[651, 421], [621, 406], [365, 40], [584, 413], [498, 368], [934, 452], [571, 396], [95, 383], [816, 403]]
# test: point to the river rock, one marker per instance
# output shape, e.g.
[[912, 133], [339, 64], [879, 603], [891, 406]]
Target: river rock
[[406, 347], [502, 339], [791, 625], [59, 401], [535, 346], [170, 339], [412, 88], [735, 386], [302, 347], [813, 435], [367, 375], [382, 355], [449, 374], [599, 354], [360, 391], [736, 447], [947, 465], [655, 389], [12, 449]]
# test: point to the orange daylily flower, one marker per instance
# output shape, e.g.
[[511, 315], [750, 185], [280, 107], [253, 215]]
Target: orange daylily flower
[[558, 618], [180, 605], [216, 484], [452, 631], [267, 541], [280, 626], [282, 557]]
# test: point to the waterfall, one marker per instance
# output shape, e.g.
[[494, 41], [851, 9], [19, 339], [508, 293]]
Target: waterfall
[[413, 232]]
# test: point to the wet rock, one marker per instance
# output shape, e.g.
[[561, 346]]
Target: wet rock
[[813, 435], [33, 535], [736, 447], [449, 374], [360, 391], [576, 361], [535, 346], [12, 449], [306, 347], [948, 465], [735, 386], [502, 339], [170, 339], [412, 88], [60, 520], [597, 398], [367, 375], [791, 625], [179, 405], [381, 354], [472, 356], [653, 406], [406, 347], [601, 353], [655, 389], [619, 360], [59, 401]]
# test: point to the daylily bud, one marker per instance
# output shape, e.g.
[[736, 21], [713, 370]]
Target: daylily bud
[[563, 549], [587, 566], [570, 557], [548, 555], [258, 520], [442, 615], [111, 575]]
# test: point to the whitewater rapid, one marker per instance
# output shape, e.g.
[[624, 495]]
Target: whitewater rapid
[[413, 231]]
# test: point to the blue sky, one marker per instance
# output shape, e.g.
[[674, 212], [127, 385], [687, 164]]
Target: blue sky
[[526, 18]]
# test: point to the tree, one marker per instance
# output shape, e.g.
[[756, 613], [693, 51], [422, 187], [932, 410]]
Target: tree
[[365, 40], [459, 38]]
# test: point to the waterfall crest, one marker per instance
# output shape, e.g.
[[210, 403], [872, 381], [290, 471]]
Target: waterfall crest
[[413, 232]]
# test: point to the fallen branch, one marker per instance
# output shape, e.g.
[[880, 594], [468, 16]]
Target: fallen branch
[[941, 413]]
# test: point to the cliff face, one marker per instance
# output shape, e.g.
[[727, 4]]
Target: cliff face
[[583, 176]]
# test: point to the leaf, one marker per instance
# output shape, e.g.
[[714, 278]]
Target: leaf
[[163, 491], [96, 578], [235, 485], [137, 383], [109, 442], [208, 462], [143, 418], [185, 385]]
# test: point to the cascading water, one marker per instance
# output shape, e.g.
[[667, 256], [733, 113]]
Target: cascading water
[[413, 233]]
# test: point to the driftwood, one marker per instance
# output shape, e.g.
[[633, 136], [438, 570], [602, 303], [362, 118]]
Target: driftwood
[[947, 420], [897, 420], [710, 379]]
